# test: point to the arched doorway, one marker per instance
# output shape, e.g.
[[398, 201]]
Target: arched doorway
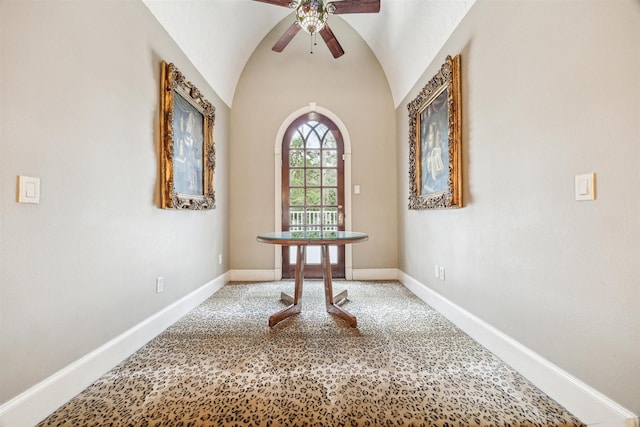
[[313, 188]]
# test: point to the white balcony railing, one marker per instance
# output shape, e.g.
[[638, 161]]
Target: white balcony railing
[[314, 220], [313, 217]]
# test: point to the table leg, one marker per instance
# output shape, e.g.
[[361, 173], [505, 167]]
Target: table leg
[[330, 300], [295, 301]]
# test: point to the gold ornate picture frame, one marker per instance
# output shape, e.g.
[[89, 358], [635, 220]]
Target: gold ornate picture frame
[[187, 149], [435, 147]]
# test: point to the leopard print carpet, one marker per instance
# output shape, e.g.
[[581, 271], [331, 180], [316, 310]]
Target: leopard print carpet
[[221, 365]]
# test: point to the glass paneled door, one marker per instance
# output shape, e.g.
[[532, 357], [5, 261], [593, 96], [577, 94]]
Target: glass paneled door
[[312, 190]]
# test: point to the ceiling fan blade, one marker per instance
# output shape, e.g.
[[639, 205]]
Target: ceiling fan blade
[[285, 38], [284, 3], [357, 6], [331, 41]]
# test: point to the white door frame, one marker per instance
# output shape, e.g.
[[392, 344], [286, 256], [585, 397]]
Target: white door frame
[[277, 154]]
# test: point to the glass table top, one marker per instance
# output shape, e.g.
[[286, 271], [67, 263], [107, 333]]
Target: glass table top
[[311, 237]]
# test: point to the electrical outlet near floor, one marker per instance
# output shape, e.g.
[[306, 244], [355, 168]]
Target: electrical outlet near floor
[[220, 259], [441, 273], [159, 284]]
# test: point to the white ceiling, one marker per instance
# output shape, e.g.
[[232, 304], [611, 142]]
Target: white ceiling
[[219, 36]]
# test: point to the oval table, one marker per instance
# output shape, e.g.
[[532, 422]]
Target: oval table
[[302, 239]]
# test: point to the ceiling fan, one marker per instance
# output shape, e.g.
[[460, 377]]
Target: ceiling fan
[[311, 16]]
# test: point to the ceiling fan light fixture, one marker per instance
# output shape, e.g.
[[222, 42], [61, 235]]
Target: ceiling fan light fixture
[[311, 15]]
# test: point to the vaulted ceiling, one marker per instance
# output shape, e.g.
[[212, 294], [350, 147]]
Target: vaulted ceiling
[[219, 36]]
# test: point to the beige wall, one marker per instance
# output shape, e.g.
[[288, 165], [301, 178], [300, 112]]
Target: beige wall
[[79, 110], [550, 90], [354, 88]]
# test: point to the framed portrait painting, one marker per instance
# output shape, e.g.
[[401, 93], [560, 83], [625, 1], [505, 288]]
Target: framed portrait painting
[[435, 170], [187, 147]]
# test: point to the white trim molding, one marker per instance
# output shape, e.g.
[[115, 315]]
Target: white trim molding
[[255, 275], [583, 401], [39, 401], [375, 274]]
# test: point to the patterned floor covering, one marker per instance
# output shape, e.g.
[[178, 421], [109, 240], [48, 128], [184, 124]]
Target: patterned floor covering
[[221, 365]]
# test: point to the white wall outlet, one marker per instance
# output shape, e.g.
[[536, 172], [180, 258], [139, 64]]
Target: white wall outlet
[[219, 258], [436, 272], [441, 273], [159, 284]]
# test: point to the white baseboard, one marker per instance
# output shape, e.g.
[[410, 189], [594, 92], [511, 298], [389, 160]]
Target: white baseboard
[[253, 275], [270, 275], [375, 274], [36, 403], [586, 403]]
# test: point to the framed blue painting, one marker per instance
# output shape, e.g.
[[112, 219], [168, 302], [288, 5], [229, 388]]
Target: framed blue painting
[[187, 147], [435, 170]]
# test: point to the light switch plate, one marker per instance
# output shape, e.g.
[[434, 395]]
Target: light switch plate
[[585, 187], [28, 189]]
